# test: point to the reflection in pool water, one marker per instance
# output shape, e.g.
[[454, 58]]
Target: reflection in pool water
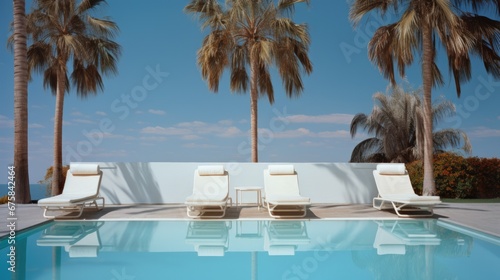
[[270, 249]]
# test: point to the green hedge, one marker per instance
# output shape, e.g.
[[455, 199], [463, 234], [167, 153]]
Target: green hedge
[[459, 177]]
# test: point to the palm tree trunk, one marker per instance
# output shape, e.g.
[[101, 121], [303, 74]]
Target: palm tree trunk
[[22, 183], [429, 188], [253, 107], [57, 184]]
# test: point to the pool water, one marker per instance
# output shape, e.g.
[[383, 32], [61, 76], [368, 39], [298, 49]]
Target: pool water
[[270, 249]]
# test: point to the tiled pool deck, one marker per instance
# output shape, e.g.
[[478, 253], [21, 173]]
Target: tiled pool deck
[[481, 216]]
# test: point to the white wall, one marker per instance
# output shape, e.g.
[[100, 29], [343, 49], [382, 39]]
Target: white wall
[[172, 182]]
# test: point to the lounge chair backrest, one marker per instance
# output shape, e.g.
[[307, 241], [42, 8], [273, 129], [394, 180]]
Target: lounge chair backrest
[[211, 182], [281, 180], [392, 179], [83, 179]]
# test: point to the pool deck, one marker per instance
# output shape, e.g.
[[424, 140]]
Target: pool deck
[[481, 216]]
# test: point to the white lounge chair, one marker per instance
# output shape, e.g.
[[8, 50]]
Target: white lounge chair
[[283, 198], [393, 236], [210, 196], [81, 190], [395, 191], [282, 238], [209, 238], [80, 240]]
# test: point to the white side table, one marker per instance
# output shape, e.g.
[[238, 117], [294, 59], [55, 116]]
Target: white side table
[[258, 190]]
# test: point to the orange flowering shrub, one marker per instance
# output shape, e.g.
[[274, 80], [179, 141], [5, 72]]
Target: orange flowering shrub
[[487, 174], [453, 176], [416, 171], [459, 177]]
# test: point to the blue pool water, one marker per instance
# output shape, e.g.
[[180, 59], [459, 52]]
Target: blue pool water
[[271, 249]]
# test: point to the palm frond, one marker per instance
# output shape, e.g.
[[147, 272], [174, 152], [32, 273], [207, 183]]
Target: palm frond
[[104, 53], [50, 78], [396, 121], [102, 27], [485, 33], [87, 5], [452, 138], [288, 6], [62, 30], [209, 12], [368, 150], [213, 57], [362, 7], [87, 78], [380, 50], [39, 57], [442, 109], [265, 83], [259, 33], [359, 120]]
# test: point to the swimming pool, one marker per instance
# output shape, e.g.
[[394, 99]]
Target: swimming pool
[[270, 249]]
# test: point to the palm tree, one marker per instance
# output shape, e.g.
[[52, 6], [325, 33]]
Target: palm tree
[[397, 123], [22, 182], [252, 35], [62, 30], [423, 23]]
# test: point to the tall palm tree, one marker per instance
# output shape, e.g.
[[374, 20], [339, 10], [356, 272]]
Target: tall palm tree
[[397, 123], [424, 23], [19, 43], [252, 35], [62, 30]]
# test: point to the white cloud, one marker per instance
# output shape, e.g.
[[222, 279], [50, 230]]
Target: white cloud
[[225, 122], [196, 130], [191, 137], [77, 114], [36, 125], [197, 145], [331, 118], [106, 135], [311, 144], [154, 138], [220, 129], [112, 154], [193, 124], [481, 132], [6, 122], [231, 132], [304, 132], [84, 121], [334, 134], [100, 113], [165, 130], [296, 133], [156, 112]]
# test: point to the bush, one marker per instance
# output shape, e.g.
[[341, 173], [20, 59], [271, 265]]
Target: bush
[[4, 199], [453, 176], [416, 172], [457, 177], [487, 174]]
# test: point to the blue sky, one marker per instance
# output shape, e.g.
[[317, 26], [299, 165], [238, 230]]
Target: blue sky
[[158, 108]]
